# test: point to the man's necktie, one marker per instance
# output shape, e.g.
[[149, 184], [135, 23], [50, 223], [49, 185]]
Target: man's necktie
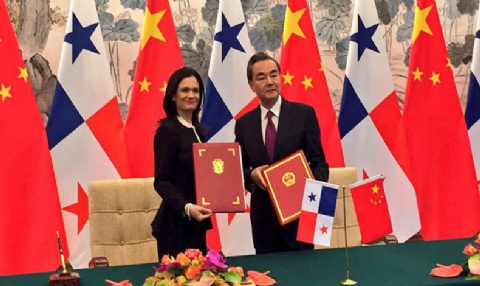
[[270, 135]]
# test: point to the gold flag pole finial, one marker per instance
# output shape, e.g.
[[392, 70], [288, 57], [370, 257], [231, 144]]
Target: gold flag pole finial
[[62, 257], [347, 281]]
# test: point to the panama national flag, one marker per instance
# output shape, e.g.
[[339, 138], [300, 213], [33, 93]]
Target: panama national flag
[[158, 58], [318, 210], [228, 96], [85, 130], [371, 207], [30, 211], [303, 77], [370, 121], [441, 158], [472, 110]]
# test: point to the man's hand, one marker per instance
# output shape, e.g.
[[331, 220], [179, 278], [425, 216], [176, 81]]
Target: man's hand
[[257, 177], [199, 213]]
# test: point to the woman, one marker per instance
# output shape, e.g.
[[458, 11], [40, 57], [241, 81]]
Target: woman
[[179, 223]]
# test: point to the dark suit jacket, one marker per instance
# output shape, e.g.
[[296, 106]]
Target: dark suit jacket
[[297, 129], [174, 182]]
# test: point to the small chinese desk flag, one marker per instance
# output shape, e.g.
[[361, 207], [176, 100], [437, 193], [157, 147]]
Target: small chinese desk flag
[[371, 208]]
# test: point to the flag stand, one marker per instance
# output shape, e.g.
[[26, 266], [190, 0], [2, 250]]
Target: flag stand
[[347, 281]]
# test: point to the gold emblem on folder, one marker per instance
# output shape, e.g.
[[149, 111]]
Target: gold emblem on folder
[[218, 166], [288, 179]]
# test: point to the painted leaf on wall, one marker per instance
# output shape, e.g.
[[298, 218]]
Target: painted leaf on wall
[[404, 32], [133, 4], [186, 33], [329, 28], [125, 30]]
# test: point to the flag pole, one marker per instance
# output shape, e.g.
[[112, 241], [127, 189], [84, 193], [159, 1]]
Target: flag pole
[[347, 281]]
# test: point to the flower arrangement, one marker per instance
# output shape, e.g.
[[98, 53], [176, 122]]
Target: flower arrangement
[[192, 268], [473, 262]]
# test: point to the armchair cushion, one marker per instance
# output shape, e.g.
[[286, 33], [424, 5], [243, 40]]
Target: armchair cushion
[[120, 215]]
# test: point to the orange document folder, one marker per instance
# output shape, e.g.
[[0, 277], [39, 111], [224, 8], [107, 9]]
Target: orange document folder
[[285, 182], [219, 176]]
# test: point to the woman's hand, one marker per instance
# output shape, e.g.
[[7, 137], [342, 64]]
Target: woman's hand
[[199, 213]]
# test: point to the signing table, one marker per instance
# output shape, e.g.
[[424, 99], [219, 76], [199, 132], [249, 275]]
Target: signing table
[[383, 265]]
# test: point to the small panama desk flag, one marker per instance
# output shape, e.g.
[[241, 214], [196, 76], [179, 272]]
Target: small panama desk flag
[[318, 209], [371, 208]]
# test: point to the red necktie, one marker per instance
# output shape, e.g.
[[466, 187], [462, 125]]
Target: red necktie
[[270, 135]]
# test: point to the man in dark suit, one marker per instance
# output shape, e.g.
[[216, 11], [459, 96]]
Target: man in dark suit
[[295, 127]]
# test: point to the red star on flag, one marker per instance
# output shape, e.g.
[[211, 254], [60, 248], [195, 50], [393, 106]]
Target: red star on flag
[[80, 208]]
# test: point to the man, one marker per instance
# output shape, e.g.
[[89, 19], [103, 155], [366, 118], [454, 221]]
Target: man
[[295, 127]]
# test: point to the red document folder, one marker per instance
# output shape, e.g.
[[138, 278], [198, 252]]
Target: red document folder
[[285, 182], [219, 176]]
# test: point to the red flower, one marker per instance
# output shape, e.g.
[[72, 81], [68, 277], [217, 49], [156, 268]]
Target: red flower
[[469, 249], [193, 253]]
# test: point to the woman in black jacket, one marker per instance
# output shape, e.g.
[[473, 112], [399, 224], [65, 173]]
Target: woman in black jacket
[[179, 223]]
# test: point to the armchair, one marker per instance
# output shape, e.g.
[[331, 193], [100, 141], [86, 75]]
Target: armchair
[[120, 215]]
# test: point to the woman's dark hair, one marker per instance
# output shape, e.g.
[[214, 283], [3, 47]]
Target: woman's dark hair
[[172, 86]]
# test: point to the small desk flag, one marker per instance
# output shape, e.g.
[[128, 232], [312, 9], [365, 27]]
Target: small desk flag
[[318, 209], [371, 208]]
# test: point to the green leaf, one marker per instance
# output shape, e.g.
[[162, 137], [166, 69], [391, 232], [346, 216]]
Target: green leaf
[[233, 277], [149, 282], [472, 277], [474, 263]]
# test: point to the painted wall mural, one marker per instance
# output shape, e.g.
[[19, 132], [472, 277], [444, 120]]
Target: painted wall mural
[[40, 28]]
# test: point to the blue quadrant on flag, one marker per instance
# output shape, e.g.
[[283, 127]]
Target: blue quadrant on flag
[[215, 113], [328, 200], [352, 112], [64, 117]]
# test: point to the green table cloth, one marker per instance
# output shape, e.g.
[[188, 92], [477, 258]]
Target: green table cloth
[[383, 265]]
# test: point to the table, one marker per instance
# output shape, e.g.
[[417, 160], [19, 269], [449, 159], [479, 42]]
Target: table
[[383, 265]]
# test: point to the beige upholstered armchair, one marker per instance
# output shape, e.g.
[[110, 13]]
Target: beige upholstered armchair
[[120, 215]]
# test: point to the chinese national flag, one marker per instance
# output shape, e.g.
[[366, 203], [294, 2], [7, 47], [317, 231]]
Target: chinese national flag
[[371, 208], [303, 78], [442, 167], [30, 211], [158, 58]]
